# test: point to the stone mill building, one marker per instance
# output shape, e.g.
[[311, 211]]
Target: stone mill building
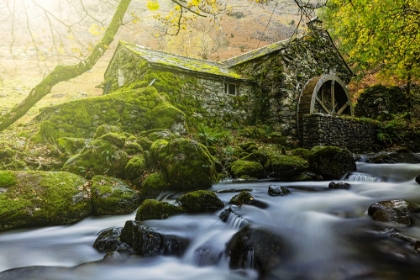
[[276, 85]]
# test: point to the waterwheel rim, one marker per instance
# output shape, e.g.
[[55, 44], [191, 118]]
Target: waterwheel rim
[[326, 94]]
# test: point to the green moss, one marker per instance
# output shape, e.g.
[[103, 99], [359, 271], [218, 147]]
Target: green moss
[[153, 185], [245, 168], [153, 209], [44, 198], [71, 145], [105, 129], [243, 197], [115, 138], [135, 167], [111, 196], [7, 179], [285, 166], [300, 152], [200, 201]]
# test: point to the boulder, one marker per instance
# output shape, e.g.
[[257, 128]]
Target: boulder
[[200, 201], [112, 196], [135, 167], [331, 162], [285, 167], [393, 211], [148, 242], [187, 164], [256, 248], [246, 169], [153, 185], [277, 190], [37, 198], [153, 209], [109, 241], [339, 185], [394, 155], [98, 157], [245, 197]]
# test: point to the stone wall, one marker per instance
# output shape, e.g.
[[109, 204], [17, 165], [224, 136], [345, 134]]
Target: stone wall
[[201, 97], [357, 135], [281, 76]]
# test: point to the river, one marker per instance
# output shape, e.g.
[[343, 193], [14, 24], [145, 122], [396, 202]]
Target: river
[[327, 235]]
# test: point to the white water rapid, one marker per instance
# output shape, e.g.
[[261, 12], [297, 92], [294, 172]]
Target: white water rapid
[[325, 234]]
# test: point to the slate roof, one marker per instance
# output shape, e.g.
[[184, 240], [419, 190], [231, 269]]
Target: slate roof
[[168, 60]]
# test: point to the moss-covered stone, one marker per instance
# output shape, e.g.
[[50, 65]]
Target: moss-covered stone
[[300, 152], [153, 185], [35, 198], [187, 164], [331, 162], [285, 167], [111, 196], [115, 138], [145, 143], [71, 145], [242, 198], [7, 179], [131, 109], [105, 129], [245, 168], [200, 201], [99, 157], [153, 209], [135, 167]]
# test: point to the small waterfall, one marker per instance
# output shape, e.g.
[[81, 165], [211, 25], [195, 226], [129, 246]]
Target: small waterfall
[[361, 177], [236, 221], [249, 261]]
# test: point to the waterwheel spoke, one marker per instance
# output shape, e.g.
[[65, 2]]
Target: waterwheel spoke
[[342, 109], [333, 97], [322, 105]]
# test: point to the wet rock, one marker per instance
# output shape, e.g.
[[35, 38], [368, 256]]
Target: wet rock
[[37, 198], [109, 240], [418, 179], [112, 196], [246, 169], [246, 198], [277, 190], [187, 164], [153, 209], [393, 211], [339, 185], [331, 162], [148, 243], [256, 248], [394, 155], [200, 201], [285, 167]]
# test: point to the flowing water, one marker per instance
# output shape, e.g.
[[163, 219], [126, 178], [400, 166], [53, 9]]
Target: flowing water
[[327, 235]]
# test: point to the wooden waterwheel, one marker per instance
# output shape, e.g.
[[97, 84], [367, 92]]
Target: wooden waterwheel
[[325, 94]]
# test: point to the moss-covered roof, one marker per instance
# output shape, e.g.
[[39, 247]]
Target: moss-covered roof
[[256, 53], [169, 60]]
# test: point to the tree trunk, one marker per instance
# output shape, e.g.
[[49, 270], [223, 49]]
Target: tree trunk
[[64, 73]]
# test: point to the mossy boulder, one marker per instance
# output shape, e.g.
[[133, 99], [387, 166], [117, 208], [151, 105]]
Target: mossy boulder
[[36, 198], [154, 209], [135, 167], [200, 201], [187, 164], [112, 196], [245, 197], [99, 157], [105, 129], [131, 109], [246, 168], [285, 167], [331, 162], [71, 146], [153, 185]]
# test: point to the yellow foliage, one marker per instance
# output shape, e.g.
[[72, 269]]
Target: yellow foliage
[[152, 5]]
